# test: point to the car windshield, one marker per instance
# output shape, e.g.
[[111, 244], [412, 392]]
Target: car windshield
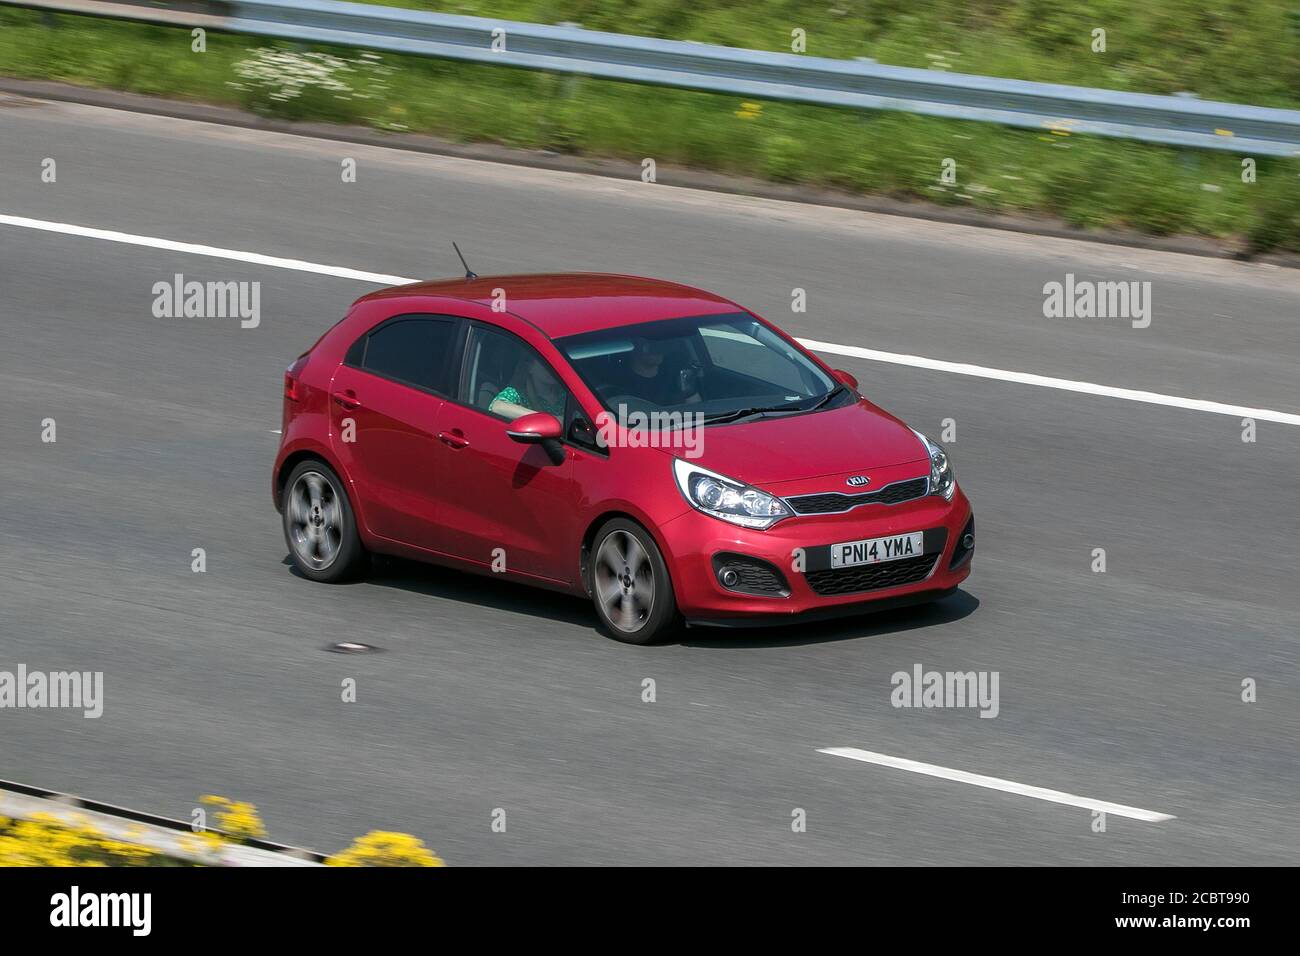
[[725, 367]]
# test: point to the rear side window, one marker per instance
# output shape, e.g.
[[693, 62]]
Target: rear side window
[[357, 354], [412, 350]]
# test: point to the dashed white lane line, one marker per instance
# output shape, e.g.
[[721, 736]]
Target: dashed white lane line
[[852, 351], [996, 783]]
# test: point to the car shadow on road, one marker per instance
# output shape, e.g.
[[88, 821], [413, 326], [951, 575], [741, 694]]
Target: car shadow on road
[[504, 595], [476, 589], [866, 625]]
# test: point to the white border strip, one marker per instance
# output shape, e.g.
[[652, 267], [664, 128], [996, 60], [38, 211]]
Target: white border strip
[[996, 783], [853, 351]]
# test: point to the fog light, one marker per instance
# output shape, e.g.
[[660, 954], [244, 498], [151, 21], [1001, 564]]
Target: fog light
[[745, 574], [968, 540]]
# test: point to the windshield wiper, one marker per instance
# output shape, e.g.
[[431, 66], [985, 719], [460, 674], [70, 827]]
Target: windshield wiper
[[740, 413], [764, 409], [826, 398]]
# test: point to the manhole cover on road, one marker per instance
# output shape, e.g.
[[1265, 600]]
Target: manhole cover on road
[[351, 647]]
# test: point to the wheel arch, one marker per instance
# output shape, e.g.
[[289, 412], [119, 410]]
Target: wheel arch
[[589, 539], [307, 453]]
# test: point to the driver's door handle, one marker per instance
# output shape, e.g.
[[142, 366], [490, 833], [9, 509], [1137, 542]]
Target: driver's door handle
[[455, 438]]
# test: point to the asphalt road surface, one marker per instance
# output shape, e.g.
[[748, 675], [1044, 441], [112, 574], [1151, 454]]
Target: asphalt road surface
[[1123, 686]]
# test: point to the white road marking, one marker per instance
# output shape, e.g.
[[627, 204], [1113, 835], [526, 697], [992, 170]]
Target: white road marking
[[852, 351], [215, 252], [996, 783], [1046, 381]]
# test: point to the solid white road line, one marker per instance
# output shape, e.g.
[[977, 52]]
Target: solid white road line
[[215, 252], [1046, 381], [995, 783], [853, 351]]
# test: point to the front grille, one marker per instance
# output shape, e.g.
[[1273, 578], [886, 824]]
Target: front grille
[[833, 501], [872, 577]]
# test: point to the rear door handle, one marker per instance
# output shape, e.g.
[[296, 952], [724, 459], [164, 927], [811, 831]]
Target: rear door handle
[[455, 438], [347, 398]]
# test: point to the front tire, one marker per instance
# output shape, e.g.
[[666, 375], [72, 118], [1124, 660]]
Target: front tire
[[319, 526], [629, 584]]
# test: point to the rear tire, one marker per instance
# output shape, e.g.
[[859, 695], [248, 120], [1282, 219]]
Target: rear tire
[[629, 584], [319, 525]]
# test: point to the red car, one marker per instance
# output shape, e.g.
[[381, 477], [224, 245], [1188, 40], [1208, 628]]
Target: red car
[[655, 447]]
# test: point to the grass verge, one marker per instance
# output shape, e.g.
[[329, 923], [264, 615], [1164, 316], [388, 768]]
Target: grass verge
[[1089, 182], [1242, 51]]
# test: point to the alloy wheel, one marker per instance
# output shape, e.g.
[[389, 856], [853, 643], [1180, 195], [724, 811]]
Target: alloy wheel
[[315, 520], [625, 581]]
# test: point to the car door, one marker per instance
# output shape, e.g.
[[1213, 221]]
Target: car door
[[387, 400], [505, 504]]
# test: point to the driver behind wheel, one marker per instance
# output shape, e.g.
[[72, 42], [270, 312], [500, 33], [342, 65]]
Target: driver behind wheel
[[648, 375]]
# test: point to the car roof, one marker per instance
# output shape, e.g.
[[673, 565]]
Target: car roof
[[570, 303]]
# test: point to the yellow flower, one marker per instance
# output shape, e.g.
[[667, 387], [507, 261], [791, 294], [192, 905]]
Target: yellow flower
[[381, 848], [45, 841], [238, 820]]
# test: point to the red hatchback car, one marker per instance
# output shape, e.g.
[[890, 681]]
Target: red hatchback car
[[657, 448]]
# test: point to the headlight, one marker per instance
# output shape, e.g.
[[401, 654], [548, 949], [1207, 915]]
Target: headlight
[[726, 498], [943, 480]]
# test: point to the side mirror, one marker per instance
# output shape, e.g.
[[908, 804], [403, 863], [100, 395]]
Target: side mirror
[[534, 428], [845, 378]]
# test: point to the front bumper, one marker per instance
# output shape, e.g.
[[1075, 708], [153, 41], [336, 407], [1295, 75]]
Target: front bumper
[[799, 548]]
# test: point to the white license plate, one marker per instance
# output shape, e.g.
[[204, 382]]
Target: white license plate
[[876, 550]]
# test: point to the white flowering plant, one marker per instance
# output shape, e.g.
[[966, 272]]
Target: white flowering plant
[[310, 85]]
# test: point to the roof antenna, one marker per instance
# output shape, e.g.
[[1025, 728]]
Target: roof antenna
[[469, 273]]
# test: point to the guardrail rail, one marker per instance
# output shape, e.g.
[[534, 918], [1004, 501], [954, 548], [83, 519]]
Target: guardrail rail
[[1171, 120]]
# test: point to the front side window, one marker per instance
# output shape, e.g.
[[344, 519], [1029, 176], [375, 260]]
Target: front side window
[[507, 378], [411, 350], [721, 366]]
